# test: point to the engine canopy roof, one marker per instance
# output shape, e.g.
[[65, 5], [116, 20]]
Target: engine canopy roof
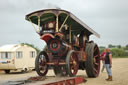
[[48, 15]]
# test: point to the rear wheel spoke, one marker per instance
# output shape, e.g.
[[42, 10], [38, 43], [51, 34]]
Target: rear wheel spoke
[[95, 70], [95, 49], [96, 64], [96, 56]]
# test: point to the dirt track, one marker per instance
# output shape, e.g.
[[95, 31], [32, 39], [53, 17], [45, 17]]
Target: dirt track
[[120, 74], [119, 69]]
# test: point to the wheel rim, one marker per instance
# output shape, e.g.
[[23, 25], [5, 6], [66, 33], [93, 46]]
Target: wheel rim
[[73, 64], [43, 67], [96, 60]]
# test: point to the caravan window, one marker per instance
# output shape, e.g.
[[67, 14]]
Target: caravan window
[[19, 54], [5, 55], [32, 54]]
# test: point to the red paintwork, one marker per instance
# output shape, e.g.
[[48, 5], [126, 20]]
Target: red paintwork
[[57, 47], [69, 81], [81, 55], [47, 37], [74, 67], [97, 67]]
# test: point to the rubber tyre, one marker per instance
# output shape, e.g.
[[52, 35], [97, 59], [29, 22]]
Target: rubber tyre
[[25, 70], [37, 69], [89, 64]]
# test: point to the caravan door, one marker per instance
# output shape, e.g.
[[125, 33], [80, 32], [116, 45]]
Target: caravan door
[[19, 62], [11, 61]]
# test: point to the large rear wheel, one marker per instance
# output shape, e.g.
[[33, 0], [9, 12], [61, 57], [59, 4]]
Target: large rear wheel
[[72, 63], [93, 60], [41, 66]]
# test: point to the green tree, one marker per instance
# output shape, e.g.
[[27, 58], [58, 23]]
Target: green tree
[[118, 46], [101, 48], [126, 47], [116, 52], [111, 46]]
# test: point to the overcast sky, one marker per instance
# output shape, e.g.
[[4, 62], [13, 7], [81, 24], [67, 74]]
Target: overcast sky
[[109, 18]]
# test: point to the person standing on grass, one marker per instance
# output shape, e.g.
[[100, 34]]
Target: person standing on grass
[[102, 57], [108, 64]]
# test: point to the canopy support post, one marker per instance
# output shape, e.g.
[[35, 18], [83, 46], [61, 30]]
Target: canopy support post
[[70, 34], [57, 23], [33, 25], [64, 22], [39, 22]]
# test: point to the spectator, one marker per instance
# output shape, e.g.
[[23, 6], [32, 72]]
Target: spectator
[[108, 64], [102, 57]]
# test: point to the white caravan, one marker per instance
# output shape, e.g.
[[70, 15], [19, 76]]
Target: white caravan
[[17, 57]]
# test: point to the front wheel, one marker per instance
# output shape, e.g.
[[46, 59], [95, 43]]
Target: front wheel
[[41, 66], [72, 63]]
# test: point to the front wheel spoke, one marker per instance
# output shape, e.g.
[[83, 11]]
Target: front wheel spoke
[[40, 68], [75, 65], [75, 68], [41, 59], [40, 64], [74, 71], [72, 67], [43, 68]]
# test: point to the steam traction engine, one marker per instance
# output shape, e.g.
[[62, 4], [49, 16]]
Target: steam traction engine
[[68, 47]]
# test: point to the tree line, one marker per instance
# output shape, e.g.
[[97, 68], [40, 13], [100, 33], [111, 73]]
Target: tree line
[[117, 50]]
